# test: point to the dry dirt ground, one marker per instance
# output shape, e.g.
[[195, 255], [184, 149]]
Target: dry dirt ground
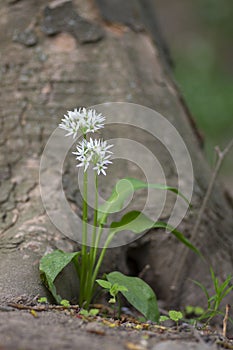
[[56, 329]]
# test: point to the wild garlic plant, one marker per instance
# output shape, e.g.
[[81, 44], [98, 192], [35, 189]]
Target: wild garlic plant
[[93, 153], [96, 154]]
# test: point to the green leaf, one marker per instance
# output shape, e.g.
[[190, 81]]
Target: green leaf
[[198, 310], [51, 265], [203, 288], [227, 291], [163, 318], [43, 300], [189, 309], [139, 294], [122, 289], [93, 312], [84, 312], [142, 319], [122, 190], [115, 288], [215, 280], [225, 284], [134, 221], [137, 222], [104, 284], [51, 287]]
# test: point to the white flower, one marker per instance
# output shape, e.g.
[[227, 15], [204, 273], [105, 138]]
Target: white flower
[[95, 152], [85, 120]]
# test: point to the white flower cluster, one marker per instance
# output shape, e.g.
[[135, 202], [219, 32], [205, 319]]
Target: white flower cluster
[[85, 120], [95, 152]]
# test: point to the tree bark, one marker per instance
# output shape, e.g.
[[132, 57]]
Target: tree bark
[[113, 52]]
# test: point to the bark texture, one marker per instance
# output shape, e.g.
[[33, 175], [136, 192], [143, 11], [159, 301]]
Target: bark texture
[[64, 55]]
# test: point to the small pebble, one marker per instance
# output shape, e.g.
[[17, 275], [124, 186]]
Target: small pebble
[[28, 37]]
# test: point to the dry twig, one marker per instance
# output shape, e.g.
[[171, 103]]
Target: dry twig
[[225, 320], [43, 307]]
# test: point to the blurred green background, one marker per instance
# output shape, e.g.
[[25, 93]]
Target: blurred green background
[[199, 34]]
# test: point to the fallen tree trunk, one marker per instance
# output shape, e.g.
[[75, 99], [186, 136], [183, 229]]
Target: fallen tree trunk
[[111, 51]]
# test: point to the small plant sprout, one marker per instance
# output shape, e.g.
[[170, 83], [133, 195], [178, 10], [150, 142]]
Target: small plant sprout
[[163, 318], [194, 311], [95, 154], [65, 303], [113, 289], [214, 301], [173, 315], [90, 313], [43, 300]]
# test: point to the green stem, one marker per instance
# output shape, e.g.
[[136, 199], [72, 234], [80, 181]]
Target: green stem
[[90, 259], [96, 245], [85, 213], [84, 257], [93, 269], [99, 262], [119, 306], [98, 236], [87, 283], [95, 219]]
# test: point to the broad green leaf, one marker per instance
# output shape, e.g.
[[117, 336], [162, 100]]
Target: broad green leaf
[[137, 222], [134, 221], [51, 265], [51, 287], [139, 294], [122, 190], [122, 289]]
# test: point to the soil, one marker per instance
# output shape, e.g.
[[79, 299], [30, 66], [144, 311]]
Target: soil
[[66, 329]]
